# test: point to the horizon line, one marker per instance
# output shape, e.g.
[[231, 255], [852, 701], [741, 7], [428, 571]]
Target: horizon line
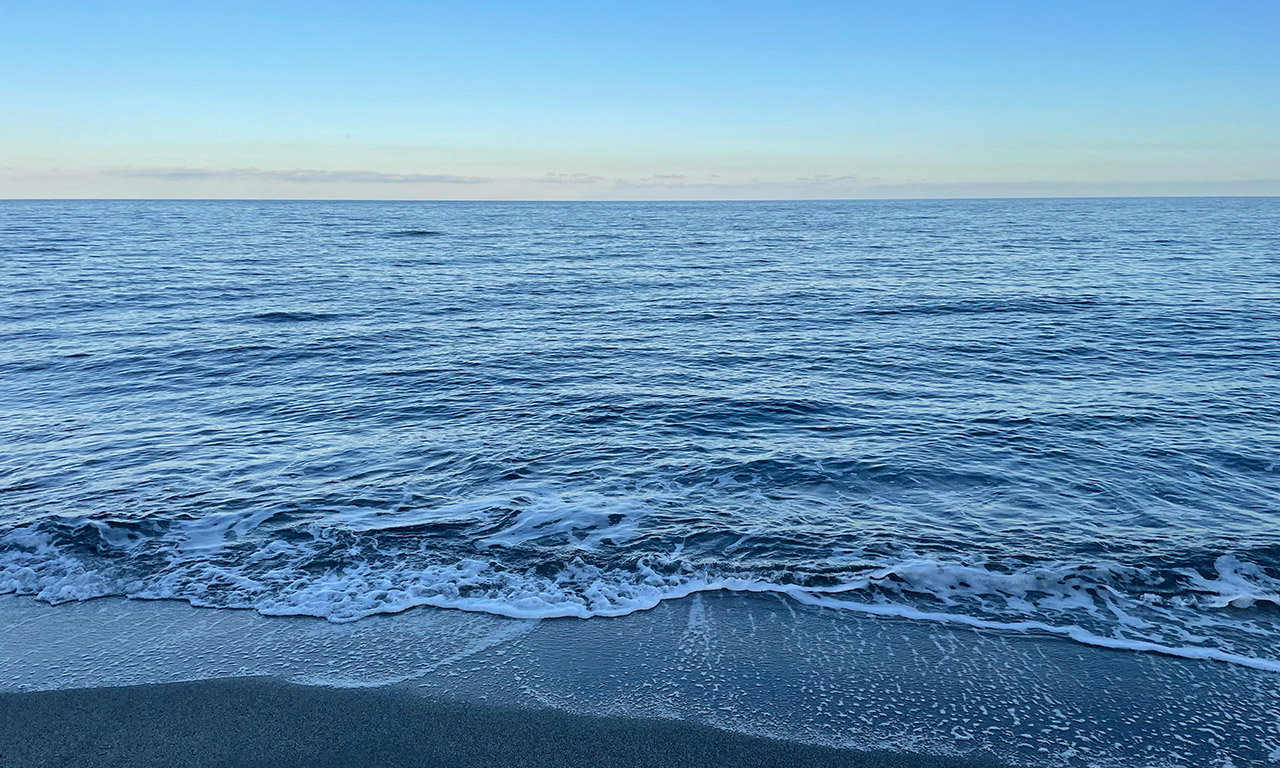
[[615, 201]]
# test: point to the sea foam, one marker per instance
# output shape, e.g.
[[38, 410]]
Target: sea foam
[[1224, 616]]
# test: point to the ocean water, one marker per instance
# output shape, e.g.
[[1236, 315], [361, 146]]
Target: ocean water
[[1037, 417]]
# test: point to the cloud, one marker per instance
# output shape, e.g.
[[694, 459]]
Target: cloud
[[715, 181], [322, 177], [824, 178], [567, 178], [312, 176], [1250, 187], [130, 181], [296, 175]]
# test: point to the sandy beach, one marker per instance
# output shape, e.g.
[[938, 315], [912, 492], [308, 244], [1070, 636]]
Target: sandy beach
[[255, 722]]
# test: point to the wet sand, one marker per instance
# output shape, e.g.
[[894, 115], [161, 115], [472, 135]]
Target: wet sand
[[258, 722]]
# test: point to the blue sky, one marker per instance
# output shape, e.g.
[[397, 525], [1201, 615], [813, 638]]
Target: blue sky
[[636, 101]]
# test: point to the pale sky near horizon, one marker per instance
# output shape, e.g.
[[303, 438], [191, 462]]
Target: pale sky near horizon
[[674, 100]]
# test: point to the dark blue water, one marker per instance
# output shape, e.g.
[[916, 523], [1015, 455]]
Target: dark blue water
[[1051, 416]]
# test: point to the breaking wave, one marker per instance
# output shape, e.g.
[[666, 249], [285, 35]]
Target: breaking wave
[[1229, 612]]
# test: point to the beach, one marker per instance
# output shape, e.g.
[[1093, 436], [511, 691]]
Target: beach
[[712, 680], [254, 722]]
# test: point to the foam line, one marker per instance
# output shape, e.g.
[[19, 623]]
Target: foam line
[[1074, 633]]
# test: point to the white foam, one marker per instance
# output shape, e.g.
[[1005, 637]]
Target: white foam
[[1100, 604], [1239, 584], [585, 519], [209, 534], [1078, 634], [470, 510]]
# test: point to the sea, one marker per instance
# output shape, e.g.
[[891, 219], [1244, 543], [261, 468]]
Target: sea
[[801, 449]]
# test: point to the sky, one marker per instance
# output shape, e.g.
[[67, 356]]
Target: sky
[[652, 100]]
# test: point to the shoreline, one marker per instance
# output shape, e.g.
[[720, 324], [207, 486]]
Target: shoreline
[[744, 673], [267, 722]]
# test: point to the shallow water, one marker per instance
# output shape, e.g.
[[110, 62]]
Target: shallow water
[[1044, 416], [754, 664]]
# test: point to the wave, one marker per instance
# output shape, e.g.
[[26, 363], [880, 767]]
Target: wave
[[294, 317], [415, 233], [1229, 615]]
